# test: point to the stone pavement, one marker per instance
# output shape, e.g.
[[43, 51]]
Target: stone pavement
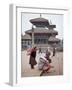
[[26, 71]]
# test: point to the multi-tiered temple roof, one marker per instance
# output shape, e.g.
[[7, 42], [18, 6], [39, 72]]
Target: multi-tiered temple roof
[[42, 30], [41, 22], [43, 26]]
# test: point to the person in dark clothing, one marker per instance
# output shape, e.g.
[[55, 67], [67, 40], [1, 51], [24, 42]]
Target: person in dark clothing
[[48, 56], [40, 51], [53, 51], [32, 60]]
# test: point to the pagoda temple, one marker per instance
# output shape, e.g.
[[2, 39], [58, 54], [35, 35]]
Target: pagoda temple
[[42, 34]]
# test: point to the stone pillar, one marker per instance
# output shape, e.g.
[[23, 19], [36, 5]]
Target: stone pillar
[[32, 36]]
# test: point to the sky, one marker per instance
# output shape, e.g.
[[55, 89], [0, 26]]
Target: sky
[[55, 19]]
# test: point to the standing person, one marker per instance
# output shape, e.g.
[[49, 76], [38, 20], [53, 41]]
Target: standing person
[[40, 50], [32, 60], [48, 55], [54, 52]]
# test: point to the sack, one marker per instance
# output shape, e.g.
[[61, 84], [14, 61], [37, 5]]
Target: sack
[[29, 51]]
